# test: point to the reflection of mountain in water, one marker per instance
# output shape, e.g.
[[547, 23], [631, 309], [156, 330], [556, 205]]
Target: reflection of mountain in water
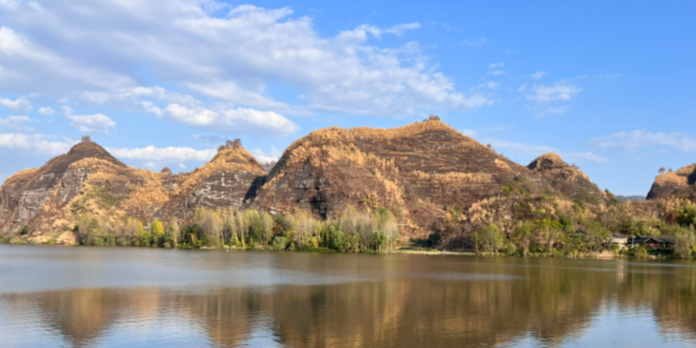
[[551, 304]]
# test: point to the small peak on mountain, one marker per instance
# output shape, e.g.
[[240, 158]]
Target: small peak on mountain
[[566, 178], [672, 182], [547, 161], [89, 149]]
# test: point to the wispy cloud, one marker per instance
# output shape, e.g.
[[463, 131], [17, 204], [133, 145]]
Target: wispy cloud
[[561, 90], [539, 74], [641, 139], [478, 42]]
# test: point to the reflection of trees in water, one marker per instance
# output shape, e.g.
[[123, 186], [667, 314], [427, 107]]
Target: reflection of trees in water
[[552, 304]]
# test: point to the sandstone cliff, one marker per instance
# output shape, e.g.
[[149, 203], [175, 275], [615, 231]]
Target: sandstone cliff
[[230, 178], [567, 179], [680, 182], [88, 179], [415, 171]]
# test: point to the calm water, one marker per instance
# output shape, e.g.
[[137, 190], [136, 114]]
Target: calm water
[[82, 296]]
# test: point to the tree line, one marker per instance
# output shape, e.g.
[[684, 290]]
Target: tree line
[[354, 231]]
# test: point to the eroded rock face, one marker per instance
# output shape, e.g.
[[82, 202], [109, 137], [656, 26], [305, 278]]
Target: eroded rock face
[[414, 171], [227, 181], [567, 179], [25, 196], [680, 182]]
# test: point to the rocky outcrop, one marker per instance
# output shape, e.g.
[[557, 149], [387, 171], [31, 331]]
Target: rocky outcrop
[[415, 171], [680, 182], [88, 179], [27, 193], [567, 179], [224, 182]]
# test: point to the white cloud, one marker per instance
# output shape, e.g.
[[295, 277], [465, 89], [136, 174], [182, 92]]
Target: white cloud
[[233, 119], [266, 156], [150, 165], [560, 90], [20, 104], [35, 142], [97, 123], [491, 84], [496, 72], [640, 139], [518, 149], [478, 42], [496, 65], [171, 153], [61, 50], [539, 74], [48, 111], [14, 122], [182, 166]]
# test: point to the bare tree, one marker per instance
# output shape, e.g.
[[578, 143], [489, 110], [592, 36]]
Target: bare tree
[[661, 170], [86, 139]]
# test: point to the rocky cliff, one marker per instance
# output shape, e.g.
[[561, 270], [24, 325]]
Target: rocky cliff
[[567, 179], [415, 171], [49, 200], [680, 182], [228, 180], [422, 172]]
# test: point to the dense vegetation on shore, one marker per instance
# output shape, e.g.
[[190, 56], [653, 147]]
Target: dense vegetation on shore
[[247, 229], [520, 224]]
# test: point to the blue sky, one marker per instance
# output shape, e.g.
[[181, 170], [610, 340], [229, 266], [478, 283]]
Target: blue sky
[[162, 83]]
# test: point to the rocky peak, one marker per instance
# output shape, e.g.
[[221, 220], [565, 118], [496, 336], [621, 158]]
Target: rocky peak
[[567, 179], [679, 181]]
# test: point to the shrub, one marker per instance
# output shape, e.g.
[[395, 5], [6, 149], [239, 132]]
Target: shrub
[[489, 238], [378, 241], [638, 252], [279, 243]]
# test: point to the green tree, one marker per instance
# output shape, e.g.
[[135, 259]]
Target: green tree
[[489, 238], [685, 242], [686, 215], [379, 241]]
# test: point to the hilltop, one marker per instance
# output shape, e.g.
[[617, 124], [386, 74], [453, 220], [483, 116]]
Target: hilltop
[[424, 182], [88, 182], [567, 179], [415, 171], [680, 182]]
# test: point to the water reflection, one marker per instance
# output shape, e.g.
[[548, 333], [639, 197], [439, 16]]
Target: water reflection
[[549, 304]]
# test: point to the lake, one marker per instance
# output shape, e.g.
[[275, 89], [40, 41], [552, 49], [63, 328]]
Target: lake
[[111, 297]]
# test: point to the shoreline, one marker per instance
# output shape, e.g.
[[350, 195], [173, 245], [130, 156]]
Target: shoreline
[[593, 256]]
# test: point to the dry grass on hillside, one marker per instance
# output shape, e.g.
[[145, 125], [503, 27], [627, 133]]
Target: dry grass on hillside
[[334, 133], [679, 177], [229, 159], [19, 176]]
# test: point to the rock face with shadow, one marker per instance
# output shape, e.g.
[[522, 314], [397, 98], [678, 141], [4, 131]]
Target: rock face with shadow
[[567, 179], [227, 181], [415, 171], [680, 182], [46, 203]]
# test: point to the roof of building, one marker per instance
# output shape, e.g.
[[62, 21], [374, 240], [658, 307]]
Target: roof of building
[[658, 240]]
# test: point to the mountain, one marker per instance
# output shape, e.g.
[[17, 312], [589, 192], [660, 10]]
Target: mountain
[[49, 200], [567, 179], [636, 198], [680, 182], [415, 171], [230, 178], [427, 173], [87, 178]]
